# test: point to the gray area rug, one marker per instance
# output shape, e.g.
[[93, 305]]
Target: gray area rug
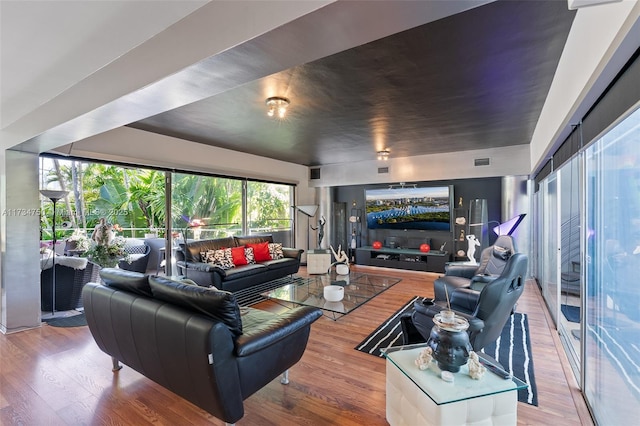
[[78, 320]]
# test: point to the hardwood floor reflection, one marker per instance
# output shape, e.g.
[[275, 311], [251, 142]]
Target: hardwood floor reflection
[[58, 376]]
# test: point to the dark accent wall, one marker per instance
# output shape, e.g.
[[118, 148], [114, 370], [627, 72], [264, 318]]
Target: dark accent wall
[[468, 189]]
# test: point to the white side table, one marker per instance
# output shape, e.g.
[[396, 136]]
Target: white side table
[[318, 261], [416, 397]]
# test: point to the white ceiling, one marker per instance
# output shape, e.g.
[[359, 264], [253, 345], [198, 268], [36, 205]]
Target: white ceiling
[[48, 46]]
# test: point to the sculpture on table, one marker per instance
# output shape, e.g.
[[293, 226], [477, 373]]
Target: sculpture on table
[[476, 370], [320, 229], [340, 255], [424, 358], [471, 251], [103, 233], [342, 261]]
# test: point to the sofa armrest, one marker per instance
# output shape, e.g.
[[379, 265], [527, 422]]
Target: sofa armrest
[[202, 267], [271, 332], [460, 270], [292, 252], [478, 282]]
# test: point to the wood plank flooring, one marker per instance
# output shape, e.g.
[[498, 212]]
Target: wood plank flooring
[[58, 376]]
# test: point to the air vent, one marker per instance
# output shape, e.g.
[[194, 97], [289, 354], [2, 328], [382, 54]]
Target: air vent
[[314, 173], [481, 162], [382, 170]]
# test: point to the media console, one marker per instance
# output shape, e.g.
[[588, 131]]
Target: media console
[[400, 258]]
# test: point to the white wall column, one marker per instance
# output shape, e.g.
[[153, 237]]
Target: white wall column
[[19, 242]]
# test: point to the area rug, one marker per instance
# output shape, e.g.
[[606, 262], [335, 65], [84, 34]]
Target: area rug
[[512, 349], [251, 295], [78, 320], [571, 313]]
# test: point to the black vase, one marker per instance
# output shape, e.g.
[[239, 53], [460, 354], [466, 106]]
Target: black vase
[[450, 348]]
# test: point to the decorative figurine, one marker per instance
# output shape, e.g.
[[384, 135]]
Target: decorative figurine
[[320, 229], [340, 255], [425, 357], [471, 251], [476, 370]]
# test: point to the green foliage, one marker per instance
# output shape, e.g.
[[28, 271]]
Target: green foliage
[[135, 198]]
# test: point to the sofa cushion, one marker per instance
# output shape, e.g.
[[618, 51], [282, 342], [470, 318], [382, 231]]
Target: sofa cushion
[[275, 250], [216, 304], [279, 263], [194, 248], [252, 239], [220, 258], [245, 271], [135, 246], [261, 251], [130, 281]]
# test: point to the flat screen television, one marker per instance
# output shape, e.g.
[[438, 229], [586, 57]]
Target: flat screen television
[[427, 208]]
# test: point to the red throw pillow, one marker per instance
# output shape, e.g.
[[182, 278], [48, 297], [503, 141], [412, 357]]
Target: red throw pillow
[[261, 251], [237, 254]]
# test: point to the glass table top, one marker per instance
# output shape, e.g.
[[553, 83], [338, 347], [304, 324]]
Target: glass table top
[[440, 392], [358, 289]]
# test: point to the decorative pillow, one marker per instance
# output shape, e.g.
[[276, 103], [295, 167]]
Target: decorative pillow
[[238, 256], [501, 252], [249, 255], [216, 304], [139, 249], [261, 251], [275, 250], [220, 258]]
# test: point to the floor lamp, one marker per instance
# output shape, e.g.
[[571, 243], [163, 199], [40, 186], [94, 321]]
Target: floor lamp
[[309, 211], [54, 196]]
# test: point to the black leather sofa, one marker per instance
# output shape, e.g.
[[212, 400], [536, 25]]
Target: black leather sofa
[[190, 264], [192, 340]]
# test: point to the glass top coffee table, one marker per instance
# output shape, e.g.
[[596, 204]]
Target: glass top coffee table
[[422, 394], [359, 288]]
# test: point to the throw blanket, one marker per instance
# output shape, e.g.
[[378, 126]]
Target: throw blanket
[[46, 261]]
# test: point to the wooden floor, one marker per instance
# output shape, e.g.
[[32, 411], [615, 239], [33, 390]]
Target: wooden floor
[[58, 376]]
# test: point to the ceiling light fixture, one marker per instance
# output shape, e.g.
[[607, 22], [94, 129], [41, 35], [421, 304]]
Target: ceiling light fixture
[[383, 155], [277, 104]]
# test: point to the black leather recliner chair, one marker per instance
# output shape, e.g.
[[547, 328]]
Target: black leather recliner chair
[[486, 317], [460, 275]]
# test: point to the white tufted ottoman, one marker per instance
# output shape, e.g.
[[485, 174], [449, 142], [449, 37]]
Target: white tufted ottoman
[[416, 397]]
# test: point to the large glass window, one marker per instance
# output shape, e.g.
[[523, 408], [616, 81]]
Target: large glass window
[[131, 198], [206, 207], [269, 210], [612, 349], [134, 200]]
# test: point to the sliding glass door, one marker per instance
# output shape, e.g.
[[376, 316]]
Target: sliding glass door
[[569, 320], [612, 234], [548, 261]]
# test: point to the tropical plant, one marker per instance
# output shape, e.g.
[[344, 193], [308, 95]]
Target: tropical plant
[[107, 248], [79, 237]]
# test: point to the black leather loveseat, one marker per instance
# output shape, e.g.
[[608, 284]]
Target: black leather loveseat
[[192, 340], [191, 264]]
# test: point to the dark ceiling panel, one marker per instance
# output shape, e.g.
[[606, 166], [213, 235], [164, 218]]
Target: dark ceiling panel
[[474, 80]]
